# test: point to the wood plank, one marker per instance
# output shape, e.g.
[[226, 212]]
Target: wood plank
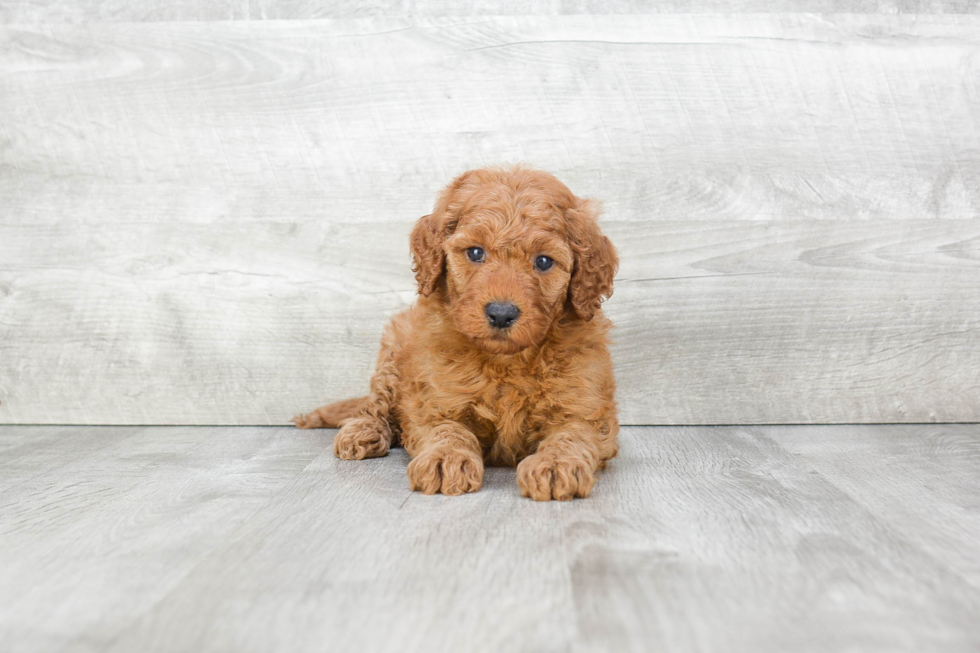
[[695, 539], [717, 322], [941, 518], [391, 109], [91, 539], [383, 569], [205, 222], [35, 451], [89, 11], [17, 443], [732, 543]]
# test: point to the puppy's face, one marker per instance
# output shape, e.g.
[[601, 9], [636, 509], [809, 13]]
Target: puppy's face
[[507, 273], [511, 251]]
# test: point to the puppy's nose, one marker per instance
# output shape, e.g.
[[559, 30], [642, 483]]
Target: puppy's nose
[[502, 314]]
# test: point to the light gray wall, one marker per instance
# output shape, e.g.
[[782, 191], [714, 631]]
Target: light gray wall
[[206, 222]]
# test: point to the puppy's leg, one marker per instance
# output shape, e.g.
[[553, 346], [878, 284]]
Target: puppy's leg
[[331, 415], [446, 458], [371, 431], [565, 463]]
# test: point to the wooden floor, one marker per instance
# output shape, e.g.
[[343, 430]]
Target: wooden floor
[[829, 538]]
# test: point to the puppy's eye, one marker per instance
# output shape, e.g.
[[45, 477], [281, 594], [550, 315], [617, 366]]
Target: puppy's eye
[[476, 254], [543, 263]]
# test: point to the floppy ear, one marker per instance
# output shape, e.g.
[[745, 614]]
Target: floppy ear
[[429, 235], [428, 257], [595, 260]]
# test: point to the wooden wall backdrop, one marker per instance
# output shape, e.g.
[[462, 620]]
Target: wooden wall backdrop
[[204, 211]]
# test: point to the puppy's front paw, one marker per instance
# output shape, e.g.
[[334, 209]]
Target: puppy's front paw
[[447, 470], [362, 437], [545, 476]]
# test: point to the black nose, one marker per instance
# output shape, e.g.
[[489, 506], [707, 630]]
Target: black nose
[[502, 314]]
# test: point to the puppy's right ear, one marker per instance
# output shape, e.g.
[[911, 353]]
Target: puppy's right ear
[[428, 256], [430, 234]]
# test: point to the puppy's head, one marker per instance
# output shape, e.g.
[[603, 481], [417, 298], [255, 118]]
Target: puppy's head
[[512, 250]]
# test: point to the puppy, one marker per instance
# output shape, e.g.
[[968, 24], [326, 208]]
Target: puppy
[[504, 359]]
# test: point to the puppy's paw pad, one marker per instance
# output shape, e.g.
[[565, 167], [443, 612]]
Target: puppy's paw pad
[[445, 470], [362, 437], [546, 476]]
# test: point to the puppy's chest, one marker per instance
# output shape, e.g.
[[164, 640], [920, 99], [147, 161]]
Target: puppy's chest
[[507, 412], [500, 401]]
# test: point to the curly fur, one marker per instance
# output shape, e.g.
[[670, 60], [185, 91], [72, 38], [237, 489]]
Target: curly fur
[[459, 394]]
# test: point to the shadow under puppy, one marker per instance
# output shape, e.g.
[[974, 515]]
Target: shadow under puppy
[[504, 359]]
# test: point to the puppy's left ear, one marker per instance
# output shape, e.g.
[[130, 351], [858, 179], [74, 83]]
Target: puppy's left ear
[[596, 261]]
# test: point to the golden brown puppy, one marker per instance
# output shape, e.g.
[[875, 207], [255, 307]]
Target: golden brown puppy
[[504, 358]]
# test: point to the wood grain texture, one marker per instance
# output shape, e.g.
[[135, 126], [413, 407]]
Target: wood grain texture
[[92, 11], [98, 524], [938, 518], [206, 222], [716, 322], [704, 539]]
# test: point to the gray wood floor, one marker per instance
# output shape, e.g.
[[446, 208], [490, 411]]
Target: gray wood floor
[[802, 538]]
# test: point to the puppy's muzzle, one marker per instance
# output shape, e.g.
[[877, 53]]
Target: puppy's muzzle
[[502, 314]]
